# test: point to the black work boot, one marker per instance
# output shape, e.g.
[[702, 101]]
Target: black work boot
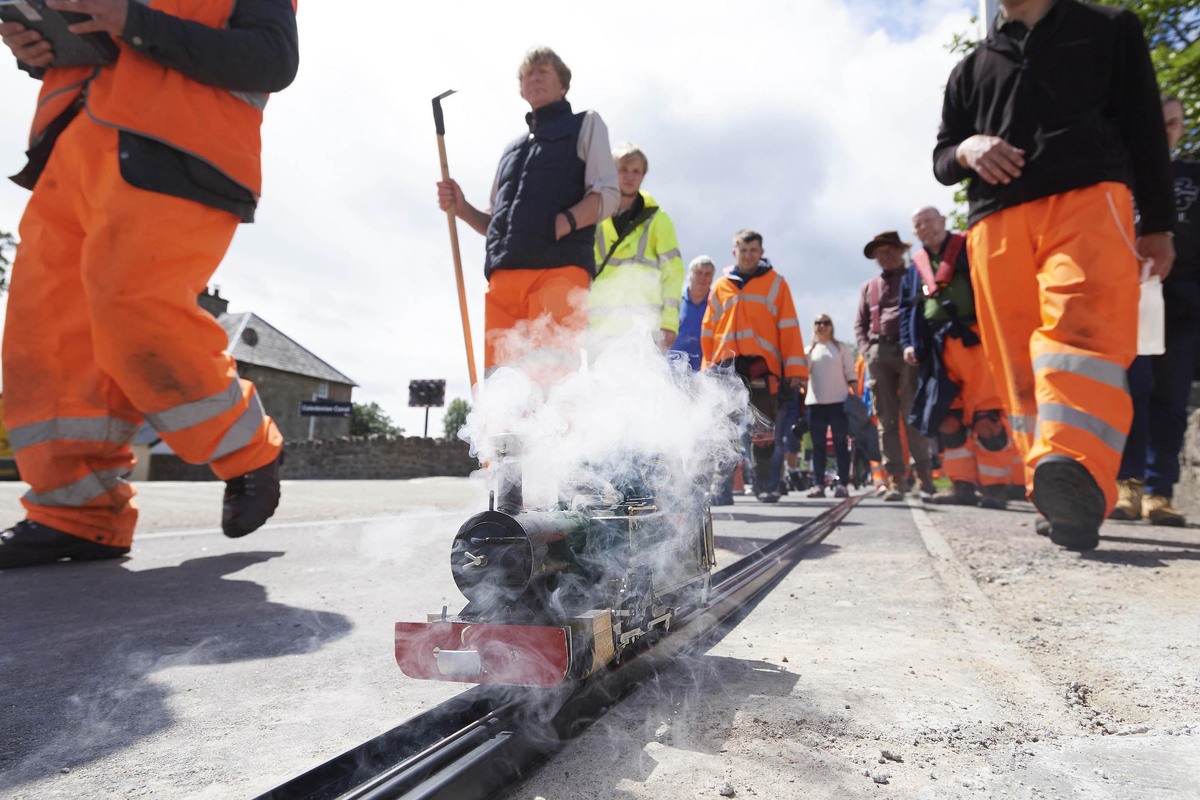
[[960, 493], [28, 543], [1067, 495], [994, 497], [251, 499]]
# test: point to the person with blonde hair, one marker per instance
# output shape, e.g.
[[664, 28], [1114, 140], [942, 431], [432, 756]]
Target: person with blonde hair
[[832, 378], [639, 266], [553, 185]]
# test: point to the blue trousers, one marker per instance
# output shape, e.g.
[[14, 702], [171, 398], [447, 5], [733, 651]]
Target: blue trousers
[[1159, 386]]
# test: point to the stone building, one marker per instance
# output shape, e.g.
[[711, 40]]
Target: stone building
[[285, 373]]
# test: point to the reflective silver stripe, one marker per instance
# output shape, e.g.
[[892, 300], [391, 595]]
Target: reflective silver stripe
[[649, 309], [644, 262], [993, 472], [189, 414], [671, 302], [773, 294], [1023, 423], [600, 242], [788, 323], [669, 255], [1096, 369], [81, 491], [241, 433], [1057, 412], [643, 241], [256, 99], [705, 333], [77, 429], [767, 346], [955, 454], [796, 362]]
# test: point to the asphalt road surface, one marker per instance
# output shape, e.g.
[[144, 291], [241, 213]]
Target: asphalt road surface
[[916, 653]]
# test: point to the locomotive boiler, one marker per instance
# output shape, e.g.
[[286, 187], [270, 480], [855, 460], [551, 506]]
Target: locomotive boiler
[[561, 592]]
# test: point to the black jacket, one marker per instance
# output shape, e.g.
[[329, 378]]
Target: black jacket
[[1080, 98]]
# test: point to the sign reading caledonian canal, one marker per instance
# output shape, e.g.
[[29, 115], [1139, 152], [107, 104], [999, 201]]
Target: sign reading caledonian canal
[[324, 408]]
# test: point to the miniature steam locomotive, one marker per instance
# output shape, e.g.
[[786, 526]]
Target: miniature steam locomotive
[[559, 593]]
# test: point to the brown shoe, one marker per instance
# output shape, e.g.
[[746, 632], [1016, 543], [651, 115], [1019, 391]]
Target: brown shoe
[[1157, 510], [1129, 500], [961, 493]]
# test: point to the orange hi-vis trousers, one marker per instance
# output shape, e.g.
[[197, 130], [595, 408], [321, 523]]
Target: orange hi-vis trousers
[[1056, 288], [973, 462], [103, 331], [535, 318]]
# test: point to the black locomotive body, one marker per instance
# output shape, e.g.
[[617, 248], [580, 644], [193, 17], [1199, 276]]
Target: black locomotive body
[[559, 593]]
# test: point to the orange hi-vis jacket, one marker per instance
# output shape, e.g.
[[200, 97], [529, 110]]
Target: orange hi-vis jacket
[[218, 126], [754, 317]]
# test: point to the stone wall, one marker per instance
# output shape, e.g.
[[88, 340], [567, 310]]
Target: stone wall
[[1187, 491], [348, 458]]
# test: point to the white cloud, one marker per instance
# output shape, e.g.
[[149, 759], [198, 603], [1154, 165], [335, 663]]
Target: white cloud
[[812, 122]]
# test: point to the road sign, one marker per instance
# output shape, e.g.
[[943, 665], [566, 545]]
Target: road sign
[[426, 394], [324, 408]]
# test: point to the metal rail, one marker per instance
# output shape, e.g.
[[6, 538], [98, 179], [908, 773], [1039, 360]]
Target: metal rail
[[477, 744]]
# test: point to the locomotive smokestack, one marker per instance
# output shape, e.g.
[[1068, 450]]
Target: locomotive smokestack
[[507, 459]]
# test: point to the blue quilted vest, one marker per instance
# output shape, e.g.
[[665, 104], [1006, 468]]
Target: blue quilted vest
[[540, 175]]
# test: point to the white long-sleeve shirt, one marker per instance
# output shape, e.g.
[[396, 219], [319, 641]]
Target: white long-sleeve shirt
[[830, 372]]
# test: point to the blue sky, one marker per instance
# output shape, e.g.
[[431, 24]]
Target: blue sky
[[812, 122]]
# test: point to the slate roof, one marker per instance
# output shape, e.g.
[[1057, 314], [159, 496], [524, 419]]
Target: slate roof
[[253, 340]]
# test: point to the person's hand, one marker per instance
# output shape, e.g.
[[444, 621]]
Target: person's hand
[[910, 356], [1160, 249], [992, 158], [668, 338], [562, 226], [26, 44], [108, 16], [450, 196], [796, 381]]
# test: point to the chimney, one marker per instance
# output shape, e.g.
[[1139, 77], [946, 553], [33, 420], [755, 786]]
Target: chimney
[[212, 302]]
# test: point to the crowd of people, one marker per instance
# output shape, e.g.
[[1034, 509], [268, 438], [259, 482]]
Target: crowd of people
[[1006, 352]]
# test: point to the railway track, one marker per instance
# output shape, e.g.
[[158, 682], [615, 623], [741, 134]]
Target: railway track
[[479, 743]]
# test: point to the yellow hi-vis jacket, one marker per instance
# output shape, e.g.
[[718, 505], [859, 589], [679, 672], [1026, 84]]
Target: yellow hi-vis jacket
[[753, 316], [643, 278]]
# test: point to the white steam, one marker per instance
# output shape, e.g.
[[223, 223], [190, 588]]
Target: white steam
[[631, 401]]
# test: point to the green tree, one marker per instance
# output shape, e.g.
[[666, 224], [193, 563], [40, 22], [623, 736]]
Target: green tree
[[1172, 29], [455, 416], [7, 245], [369, 419]]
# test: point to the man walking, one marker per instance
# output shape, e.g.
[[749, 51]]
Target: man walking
[[956, 398], [1053, 118], [554, 184], [141, 170], [1160, 384], [639, 267], [892, 380], [751, 327]]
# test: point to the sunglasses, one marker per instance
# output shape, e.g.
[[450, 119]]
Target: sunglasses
[[822, 322]]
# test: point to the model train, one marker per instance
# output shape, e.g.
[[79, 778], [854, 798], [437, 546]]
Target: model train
[[559, 593]]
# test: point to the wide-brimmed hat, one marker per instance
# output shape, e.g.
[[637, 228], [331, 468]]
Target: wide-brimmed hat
[[887, 237]]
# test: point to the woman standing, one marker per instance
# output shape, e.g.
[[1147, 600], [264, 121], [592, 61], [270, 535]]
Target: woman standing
[[831, 379]]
